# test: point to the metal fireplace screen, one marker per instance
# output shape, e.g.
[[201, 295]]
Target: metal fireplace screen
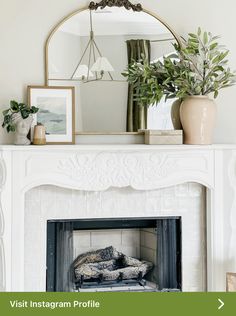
[[66, 275]]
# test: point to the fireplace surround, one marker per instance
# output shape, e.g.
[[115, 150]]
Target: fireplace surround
[[165, 274], [95, 169], [50, 203]]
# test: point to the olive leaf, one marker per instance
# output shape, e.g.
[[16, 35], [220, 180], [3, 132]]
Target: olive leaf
[[198, 67]]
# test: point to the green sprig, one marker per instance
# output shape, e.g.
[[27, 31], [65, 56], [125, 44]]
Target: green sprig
[[199, 67], [16, 107]]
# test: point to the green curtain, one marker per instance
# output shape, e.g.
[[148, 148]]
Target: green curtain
[[136, 113]]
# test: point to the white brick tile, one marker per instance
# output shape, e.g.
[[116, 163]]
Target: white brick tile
[[106, 238], [93, 202], [149, 240], [78, 251], [81, 238], [154, 194], [181, 190], [131, 237], [132, 251], [33, 194], [149, 230], [168, 203], [195, 189], [78, 200], [64, 206], [168, 192], [49, 207], [153, 204], [48, 192], [147, 254]]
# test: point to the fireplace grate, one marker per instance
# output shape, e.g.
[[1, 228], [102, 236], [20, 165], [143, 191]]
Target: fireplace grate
[[138, 284], [119, 286], [101, 283]]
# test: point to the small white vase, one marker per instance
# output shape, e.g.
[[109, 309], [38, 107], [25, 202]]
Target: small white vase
[[22, 129], [198, 114]]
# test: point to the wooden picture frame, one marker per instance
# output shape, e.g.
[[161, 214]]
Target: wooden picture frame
[[56, 111], [231, 282]]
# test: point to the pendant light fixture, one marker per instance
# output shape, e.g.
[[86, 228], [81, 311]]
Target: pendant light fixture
[[97, 66]]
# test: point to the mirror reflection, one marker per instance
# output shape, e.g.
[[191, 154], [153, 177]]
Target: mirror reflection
[[91, 49]]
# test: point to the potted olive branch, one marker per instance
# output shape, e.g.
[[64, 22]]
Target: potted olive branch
[[198, 68], [18, 118]]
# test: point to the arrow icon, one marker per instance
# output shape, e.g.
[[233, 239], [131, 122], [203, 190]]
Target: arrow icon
[[221, 303]]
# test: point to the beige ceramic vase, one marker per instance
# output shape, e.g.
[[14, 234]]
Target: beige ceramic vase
[[197, 114], [175, 114]]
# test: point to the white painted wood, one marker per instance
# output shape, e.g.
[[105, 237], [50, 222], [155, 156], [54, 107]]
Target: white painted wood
[[97, 168], [3, 255]]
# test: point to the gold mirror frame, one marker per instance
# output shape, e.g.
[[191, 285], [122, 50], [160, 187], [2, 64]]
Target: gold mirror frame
[[66, 18]]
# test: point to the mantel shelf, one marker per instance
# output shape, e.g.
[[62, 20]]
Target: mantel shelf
[[122, 147]]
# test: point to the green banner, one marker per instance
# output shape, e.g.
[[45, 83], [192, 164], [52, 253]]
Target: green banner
[[122, 304]]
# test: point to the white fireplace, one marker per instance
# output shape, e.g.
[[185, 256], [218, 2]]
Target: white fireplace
[[76, 182]]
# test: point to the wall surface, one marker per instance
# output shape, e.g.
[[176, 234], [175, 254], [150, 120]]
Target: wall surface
[[25, 25]]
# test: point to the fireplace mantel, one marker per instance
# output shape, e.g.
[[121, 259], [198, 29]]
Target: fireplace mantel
[[98, 168]]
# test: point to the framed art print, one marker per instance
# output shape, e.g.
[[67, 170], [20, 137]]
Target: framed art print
[[231, 282], [56, 112]]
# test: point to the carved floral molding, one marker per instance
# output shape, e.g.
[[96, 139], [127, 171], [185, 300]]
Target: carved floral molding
[[99, 171], [116, 3]]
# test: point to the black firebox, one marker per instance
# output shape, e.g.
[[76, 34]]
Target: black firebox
[[167, 271]]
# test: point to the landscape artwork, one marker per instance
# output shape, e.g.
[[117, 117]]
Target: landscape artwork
[[52, 114]]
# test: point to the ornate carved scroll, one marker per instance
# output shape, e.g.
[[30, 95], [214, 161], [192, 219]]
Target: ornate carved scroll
[[116, 3]]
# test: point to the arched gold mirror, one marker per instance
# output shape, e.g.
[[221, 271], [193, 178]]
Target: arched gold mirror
[[90, 49]]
